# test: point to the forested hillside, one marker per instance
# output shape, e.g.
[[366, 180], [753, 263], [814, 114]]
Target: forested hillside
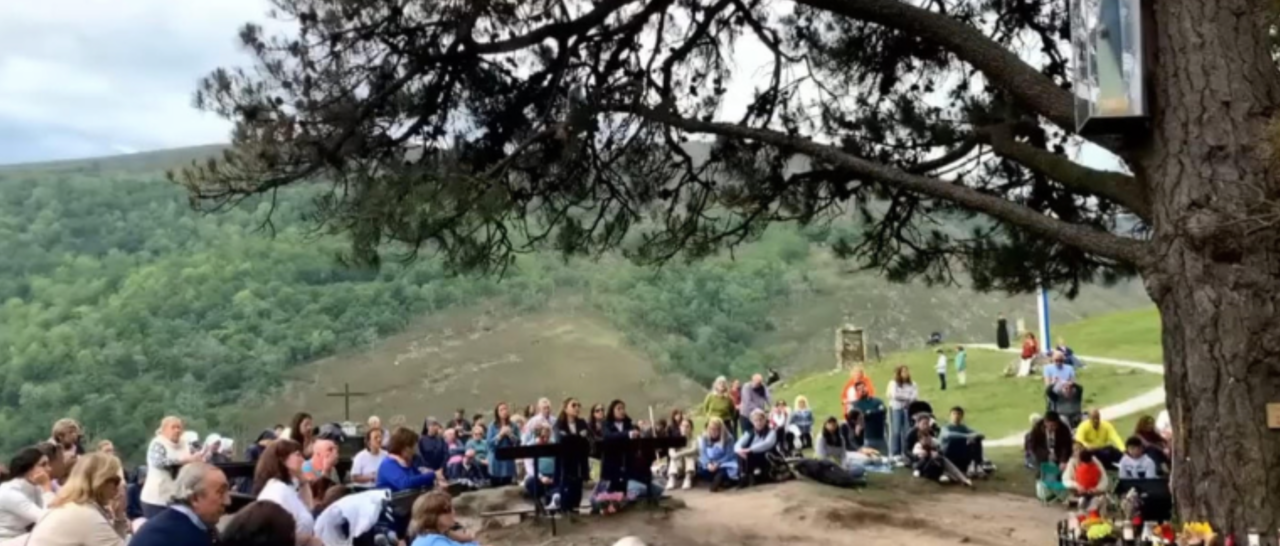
[[121, 305]]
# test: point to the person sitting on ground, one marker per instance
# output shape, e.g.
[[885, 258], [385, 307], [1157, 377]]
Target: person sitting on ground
[[460, 422], [1030, 348], [397, 472], [1136, 465], [456, 451], [81, 514], [831, 445], [502, 433], [320, 472], [478, 450], [849, 394], [1060, 380], [25, 495], [433, 523], [1086, 479], [1049, 442], [928, 461], [853, 431], [677, 417], [802, 418], [874, 417], [260, 523], [1067, 353], [1154, 444], [166, 451], [755, 396], [302, 429], [574, 470], [202, 497], [962, 445], [752, 449], [433, 453], [924, 428], [541, 484], [364, 468], [717, 461], [683, 462], [1101, 439], [278, 478]]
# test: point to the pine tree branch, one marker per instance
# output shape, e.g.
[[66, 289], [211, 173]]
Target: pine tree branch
[[1118, 187], [1000, 66], [1085, 238]]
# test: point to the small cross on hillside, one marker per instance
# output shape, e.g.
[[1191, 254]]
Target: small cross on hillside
[[346, 395]]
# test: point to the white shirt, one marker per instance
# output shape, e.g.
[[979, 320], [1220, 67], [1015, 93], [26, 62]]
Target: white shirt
[[942, 363], [286, 495], [22, 504], [901, 396], [366, 464]]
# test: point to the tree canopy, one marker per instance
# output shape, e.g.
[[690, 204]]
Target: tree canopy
[[484, 129]]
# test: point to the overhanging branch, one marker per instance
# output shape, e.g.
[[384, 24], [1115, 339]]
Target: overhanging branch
[[1118, 187], [1085, 238], [1001, 66]]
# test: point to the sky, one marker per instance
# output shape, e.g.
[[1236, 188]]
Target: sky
[[86, 78], [83, 78]]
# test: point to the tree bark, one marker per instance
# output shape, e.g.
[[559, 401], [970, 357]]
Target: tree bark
[[1215, 272]]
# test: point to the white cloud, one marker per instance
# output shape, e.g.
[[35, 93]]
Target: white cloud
[[88, 77]]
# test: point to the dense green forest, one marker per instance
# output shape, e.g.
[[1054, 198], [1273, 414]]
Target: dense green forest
[[121, 305]]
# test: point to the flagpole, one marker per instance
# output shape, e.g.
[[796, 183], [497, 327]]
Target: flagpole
[[1042, 311]]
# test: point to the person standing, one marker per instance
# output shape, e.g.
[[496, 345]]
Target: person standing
[[1002, 333], [755, 396], [902, 393], [961, 364], [942, 368]]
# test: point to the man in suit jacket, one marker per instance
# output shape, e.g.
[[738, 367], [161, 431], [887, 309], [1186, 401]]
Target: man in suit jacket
[[192, 520]]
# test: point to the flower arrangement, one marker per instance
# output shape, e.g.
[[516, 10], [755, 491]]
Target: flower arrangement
[[1194, 533], [1164, 534]]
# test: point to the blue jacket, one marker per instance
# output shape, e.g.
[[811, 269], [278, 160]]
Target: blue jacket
[[397, 478], [497, 468], [171, 528], [434, 452]]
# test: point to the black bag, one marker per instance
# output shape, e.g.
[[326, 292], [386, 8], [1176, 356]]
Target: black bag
[[829, 473]]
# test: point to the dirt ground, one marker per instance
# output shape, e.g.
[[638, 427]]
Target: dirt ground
[[791, 514]]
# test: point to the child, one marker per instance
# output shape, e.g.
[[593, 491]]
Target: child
[[1136, 465], [960, 364], [802, 417], [942, 368]]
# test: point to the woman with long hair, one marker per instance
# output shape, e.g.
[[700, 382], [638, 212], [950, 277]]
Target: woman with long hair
[[432, 522], [278, 478], [902, 393], [81, 514], [27, 493], [302, 429], [570, 427], [613, 462], [502, 433], [166, 452], [683, 462], [717, 461], [1153, 443]]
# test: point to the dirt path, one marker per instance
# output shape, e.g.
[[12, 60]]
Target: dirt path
[[1142, 402], [803, 514]]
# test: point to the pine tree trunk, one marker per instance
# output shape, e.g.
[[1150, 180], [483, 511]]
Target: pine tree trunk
[[1216, 276]]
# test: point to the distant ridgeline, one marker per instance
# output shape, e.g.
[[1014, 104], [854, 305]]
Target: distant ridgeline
[[120, 305]]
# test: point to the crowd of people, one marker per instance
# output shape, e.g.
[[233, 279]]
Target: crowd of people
[[56, 494]]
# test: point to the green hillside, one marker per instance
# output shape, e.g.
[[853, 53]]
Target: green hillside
[[120, 305]]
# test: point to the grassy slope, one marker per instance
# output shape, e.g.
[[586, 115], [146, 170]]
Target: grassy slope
[[1000, 406]]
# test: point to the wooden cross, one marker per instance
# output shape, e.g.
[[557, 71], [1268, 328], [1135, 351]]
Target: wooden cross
[[346, 395]]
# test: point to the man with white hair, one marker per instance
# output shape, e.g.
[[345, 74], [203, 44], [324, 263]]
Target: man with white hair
[[323, 462], [755, 396], [192, 520]]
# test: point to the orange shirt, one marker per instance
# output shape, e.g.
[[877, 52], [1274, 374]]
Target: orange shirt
[[848, 395]]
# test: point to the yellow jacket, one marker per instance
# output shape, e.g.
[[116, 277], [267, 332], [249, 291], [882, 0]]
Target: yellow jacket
[[1098, 437]]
